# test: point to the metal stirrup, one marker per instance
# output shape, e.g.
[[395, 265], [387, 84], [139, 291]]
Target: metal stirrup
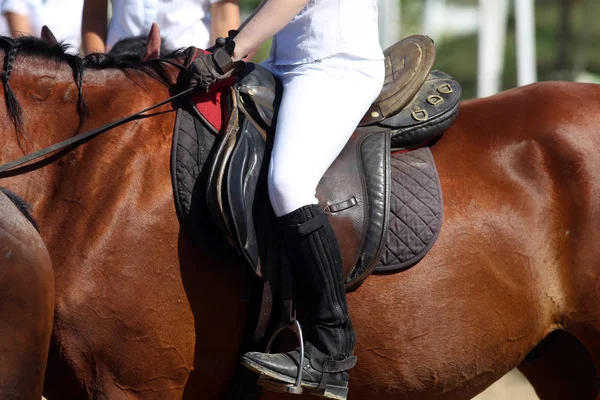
[[282, 386], [290, 322]]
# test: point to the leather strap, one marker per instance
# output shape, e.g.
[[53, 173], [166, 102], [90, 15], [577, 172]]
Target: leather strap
[[324, 381], [339, 365], [266, 306], [313, 225], [343, 205], [286, 289], [323, 363]]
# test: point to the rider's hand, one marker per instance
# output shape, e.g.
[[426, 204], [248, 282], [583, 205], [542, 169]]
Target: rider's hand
[[210, 68], [204, 72]]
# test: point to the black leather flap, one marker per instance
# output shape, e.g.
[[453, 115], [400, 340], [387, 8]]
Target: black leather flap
[[429, 114], [439, 94], [260, 92]]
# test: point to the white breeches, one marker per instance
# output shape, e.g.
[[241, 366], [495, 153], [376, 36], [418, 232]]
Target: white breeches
[[321, 106]]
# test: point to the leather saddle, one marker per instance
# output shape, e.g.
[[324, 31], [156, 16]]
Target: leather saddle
[[415, 106]]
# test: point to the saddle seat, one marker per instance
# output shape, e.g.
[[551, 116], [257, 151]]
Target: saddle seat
[[415, 107], [416, 103]]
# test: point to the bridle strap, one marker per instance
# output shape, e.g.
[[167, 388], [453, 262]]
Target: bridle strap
[[86, 135]]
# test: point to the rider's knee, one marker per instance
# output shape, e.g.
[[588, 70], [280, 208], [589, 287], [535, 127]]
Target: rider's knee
[[289, 190]]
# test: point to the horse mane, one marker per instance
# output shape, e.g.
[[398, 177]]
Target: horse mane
[[36, 47]]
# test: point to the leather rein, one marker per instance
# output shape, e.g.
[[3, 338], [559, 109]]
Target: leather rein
[[8, 167]]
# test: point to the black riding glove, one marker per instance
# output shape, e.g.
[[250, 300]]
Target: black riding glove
[[215, 66], [211, 68]]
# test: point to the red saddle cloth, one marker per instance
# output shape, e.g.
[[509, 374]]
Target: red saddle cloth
[[209, 104]]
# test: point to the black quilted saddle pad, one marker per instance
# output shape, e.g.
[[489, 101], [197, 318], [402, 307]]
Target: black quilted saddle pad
[[416, 210]]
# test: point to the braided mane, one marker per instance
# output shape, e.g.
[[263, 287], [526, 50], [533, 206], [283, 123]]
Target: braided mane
[[35, 47]]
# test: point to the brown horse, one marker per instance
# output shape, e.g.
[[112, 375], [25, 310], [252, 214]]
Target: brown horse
[[26, 302], [143, 312]]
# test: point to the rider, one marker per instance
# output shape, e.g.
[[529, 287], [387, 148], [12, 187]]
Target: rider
[[327, 55], [183, 23]]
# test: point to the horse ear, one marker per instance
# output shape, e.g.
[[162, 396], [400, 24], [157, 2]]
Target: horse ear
[[48, 36], [154, 43]]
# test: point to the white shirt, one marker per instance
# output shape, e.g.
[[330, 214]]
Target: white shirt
[[4, 30], [182, 23], [327, 27], [63, 17]]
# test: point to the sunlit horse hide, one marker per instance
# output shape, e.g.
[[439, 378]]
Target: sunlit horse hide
[[221, 151]]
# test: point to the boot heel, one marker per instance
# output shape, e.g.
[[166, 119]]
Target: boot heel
[[336, 392], [331, 392], [278, 386]]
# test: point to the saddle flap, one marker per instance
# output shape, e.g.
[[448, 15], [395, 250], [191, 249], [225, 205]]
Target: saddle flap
[[355, 192], [216, 175], [407, 65], [247, 197], [260, 93]]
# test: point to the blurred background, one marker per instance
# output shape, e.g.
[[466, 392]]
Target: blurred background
[[487, 45], [562, 38]]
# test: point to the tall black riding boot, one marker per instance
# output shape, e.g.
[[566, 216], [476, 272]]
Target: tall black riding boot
[[315, 254]]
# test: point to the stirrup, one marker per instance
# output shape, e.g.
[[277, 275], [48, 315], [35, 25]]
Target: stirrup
[[278, 386]]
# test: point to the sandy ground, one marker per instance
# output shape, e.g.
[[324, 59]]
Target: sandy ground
[[513, 386]]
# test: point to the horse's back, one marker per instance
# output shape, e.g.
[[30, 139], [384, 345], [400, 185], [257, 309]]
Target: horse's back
[[531, 111]]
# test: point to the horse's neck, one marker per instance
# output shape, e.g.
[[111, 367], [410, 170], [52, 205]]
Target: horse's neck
[[48, 97]]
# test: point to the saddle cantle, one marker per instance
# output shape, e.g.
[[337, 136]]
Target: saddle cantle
[[429, 113], [230, 177], [407, 64]]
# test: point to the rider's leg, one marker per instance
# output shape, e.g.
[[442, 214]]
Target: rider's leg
[[321, 106]]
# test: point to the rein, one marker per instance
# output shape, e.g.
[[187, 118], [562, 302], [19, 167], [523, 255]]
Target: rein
[[9, 166]]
